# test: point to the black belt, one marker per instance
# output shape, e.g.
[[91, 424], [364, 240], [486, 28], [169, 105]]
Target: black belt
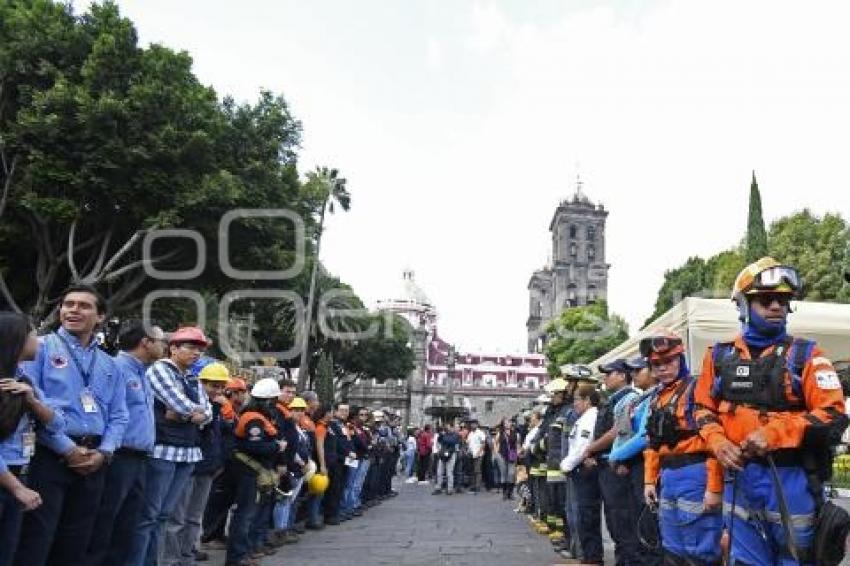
[[131, 452], [782, 458], [20, 470], [673, 461], [90, 441]]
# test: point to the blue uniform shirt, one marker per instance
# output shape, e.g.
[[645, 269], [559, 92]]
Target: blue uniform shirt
[[56, 373], [12, 448], [140, 433]]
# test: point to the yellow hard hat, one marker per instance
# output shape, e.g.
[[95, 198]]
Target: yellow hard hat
[[556, 385], [298, 403], [317, 484], [215, 372], [766, 276]]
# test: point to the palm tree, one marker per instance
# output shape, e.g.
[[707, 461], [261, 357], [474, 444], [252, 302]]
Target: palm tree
[[330, 188]]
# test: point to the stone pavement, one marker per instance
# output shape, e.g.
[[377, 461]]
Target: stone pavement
[[417, 528]]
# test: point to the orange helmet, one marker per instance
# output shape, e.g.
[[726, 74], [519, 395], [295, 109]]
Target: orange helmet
[[191, 334], [236, 384], [663, 344], [766, 276]]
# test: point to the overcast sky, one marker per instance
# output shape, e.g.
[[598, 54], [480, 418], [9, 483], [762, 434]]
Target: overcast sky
[[459, 126]]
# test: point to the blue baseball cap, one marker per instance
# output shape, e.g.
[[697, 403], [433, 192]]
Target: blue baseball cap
[[637, 364], [617, 365]]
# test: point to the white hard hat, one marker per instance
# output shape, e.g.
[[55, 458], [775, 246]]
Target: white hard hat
[[378, 415], [266, 388]]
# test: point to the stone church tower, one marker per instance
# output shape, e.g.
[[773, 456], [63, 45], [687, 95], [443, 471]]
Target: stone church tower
[[577, 274]]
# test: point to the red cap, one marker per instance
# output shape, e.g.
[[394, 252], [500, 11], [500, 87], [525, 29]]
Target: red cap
[[191, 334]]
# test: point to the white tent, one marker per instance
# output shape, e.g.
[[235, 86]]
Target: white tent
[[702, 322]]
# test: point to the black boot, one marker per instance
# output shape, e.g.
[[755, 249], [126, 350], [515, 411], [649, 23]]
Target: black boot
[[510, 491]]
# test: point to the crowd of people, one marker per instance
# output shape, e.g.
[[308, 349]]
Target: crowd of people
[[464, 458], [158, 455], [725, 467]]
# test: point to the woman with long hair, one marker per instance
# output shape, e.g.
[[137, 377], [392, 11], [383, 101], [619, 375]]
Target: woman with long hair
[[506, 457], [21, 411]]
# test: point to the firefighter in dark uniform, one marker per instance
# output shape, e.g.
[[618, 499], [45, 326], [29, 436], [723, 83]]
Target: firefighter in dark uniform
[[552, 432], [258, 446]]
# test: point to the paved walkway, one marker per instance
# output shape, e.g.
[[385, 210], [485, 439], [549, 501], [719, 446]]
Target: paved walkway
[[417, 528]]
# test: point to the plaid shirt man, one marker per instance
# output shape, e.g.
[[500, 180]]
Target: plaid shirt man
[[167, 381]]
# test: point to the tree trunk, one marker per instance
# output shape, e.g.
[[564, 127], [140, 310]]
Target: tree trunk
[[308, 314]]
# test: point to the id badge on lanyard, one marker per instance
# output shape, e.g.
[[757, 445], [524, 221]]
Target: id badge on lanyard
[[28, 442], [86, 396], [87, 400]]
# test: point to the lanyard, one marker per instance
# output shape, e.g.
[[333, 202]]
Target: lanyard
[[86, 374]]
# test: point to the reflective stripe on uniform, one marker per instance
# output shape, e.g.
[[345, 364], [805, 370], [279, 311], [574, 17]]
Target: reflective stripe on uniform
[[693, 507], [797, 521], [555, 475]]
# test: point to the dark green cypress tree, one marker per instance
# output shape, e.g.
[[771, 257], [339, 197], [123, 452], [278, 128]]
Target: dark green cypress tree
[[325, 379], [756, 246]]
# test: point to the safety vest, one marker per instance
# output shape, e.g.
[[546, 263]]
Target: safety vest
[[761, 383], [249, 416], [663, 427]]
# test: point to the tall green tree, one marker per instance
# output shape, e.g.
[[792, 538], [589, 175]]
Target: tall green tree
[[104, 141], [330, 188], [324, 379], [756, 240], [816, 246], [582, 334]]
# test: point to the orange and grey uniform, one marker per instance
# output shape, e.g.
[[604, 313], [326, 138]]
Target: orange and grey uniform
[[679, 459], [790, 392]]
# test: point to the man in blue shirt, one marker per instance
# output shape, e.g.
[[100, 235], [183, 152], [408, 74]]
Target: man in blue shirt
[[68, 468], [141, 345]]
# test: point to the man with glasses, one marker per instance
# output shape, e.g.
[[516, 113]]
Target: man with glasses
[[140, 346], [770, 407], [180, 407]]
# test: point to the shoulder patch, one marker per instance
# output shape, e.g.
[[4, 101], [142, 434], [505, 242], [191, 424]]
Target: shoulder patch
[[255, 432], [59, 362], [827, 379], [585, 434], [133, 384]]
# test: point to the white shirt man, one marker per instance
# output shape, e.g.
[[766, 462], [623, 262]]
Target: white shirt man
[[580, 438]]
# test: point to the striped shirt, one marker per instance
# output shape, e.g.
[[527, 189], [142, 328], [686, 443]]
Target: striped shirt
[[165, 377]]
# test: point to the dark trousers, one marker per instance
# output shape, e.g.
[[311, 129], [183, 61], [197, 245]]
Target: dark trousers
[[11, 515], [589, 496], [649, 556], [119, 510], [387, 473], [370, 491], [333, 496], [58, 532], [542, 507], [222, 496], [239, 543], [423, 466], [556, 514], [620, 515]]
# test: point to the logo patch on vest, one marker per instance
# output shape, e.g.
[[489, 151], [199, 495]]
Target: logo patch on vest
[[59, 362], [255, 432], [827, 380], [133, 384], [741, 384], [585, 434], [743, 371]]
